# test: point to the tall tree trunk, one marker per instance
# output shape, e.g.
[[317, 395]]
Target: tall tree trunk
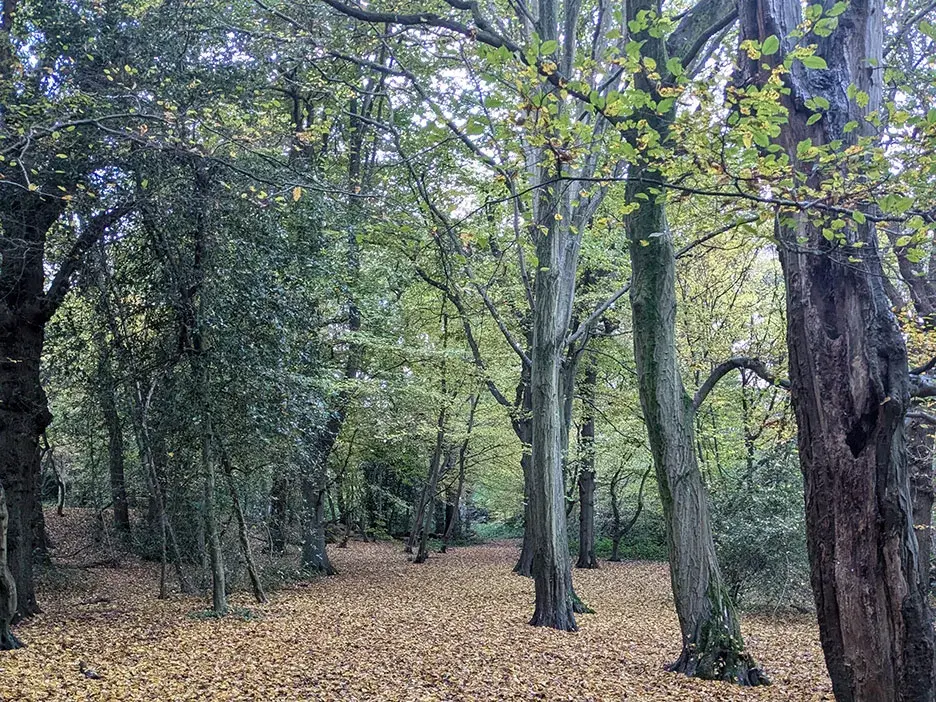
[[921, 438], [279, 513], [219, 602], [115, 447], [712, 646], [552, 573], [850, 387], [586, 555], [7, 585], [24, 413]]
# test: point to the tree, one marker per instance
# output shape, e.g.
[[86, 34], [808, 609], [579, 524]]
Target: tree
[[848, 364]]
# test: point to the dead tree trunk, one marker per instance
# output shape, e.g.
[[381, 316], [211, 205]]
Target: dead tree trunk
[[849, 382]]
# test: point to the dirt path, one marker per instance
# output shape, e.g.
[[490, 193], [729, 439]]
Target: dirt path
[[385, 629]]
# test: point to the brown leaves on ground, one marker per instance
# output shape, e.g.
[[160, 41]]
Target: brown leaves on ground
[[454, 628]]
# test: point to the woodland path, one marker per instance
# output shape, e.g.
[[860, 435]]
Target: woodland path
[[385, 629]]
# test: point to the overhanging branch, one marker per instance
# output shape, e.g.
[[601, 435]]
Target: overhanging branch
[[754, 365]]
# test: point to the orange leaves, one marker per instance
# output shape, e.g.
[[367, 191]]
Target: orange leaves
[[385, 629]]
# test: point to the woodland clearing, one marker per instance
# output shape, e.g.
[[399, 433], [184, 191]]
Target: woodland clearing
[[454, 628]]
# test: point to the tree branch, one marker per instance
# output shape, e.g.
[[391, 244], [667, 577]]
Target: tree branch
[[922, 386], [922, 416], [91, 234], [698, 25], [752, 364]]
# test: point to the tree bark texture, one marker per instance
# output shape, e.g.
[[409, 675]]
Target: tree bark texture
[[7, 585], [850, 391]]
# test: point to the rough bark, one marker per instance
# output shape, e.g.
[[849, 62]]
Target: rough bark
[[552, 575], [314, 554], [850, 390], [921, 438], [219, 602], [7, 585], [24, 414], [712, 646]]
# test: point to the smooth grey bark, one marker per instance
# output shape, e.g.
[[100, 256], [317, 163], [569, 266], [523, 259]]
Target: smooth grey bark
[[850, 387], [219, 602]]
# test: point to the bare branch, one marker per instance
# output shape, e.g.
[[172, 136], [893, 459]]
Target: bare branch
[[752, 364], [922, 386]]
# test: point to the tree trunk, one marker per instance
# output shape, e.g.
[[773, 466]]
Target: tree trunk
[[524, 564], [850, 387], [314, 554], [216, 557], [451, 528], [921, 437], [712, 646], [23, 418], [586, 481], [552, 573], [279, 517], [24, 413], [242, 533], [7, 585], [586, 556], [115, 447]]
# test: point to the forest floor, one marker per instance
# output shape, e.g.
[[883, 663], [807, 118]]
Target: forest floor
[[454, 628]]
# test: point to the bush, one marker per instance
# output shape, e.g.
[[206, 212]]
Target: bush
[[760, 534]]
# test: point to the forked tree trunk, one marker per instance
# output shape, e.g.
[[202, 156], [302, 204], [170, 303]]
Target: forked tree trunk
[[7, 585], [850, 386], [452, 525]]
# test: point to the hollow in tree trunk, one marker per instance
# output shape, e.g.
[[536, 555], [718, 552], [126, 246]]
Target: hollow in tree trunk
[[849, 382]]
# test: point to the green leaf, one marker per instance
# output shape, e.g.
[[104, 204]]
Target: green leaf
[[771, 45], [549, 47], [859, 217], [813, 118], [816, 62]]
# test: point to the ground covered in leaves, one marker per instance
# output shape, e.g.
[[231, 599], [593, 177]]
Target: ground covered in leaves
[[385, 629]]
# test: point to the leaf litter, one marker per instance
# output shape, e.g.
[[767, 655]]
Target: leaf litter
[[454, 628]]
